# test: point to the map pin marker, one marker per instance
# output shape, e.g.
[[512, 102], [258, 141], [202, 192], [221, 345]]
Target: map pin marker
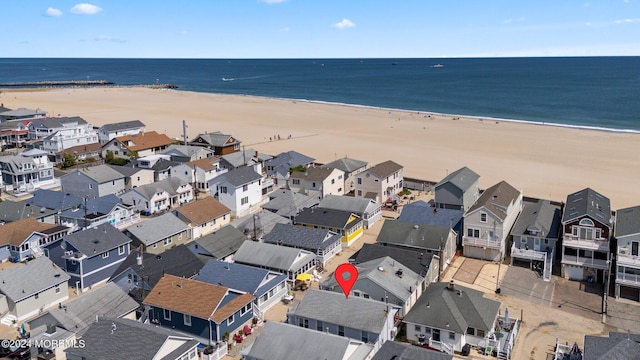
[[346, 284]]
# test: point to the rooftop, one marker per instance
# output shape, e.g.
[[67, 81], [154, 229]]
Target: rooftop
[[203, 210], [497, 199], [590, 203]]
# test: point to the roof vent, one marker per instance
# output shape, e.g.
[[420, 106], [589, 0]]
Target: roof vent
[[452, 285], [416, 226], [399, 273], [380, 268]]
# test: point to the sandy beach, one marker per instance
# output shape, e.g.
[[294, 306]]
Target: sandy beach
[[543, 161]]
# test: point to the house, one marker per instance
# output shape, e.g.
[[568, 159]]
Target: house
[[220, 143], [158, 234], [57, 201], [199, 172], [11, 211], [137, 274], [88, 153], [283, 342], [423, 264], [587, 227], [93, 182], [22, 239], [248, 157], [27, 172], [218, 309], [488, 222], [381, 183], [21, 113], [368, 210], [448, 316], [187, 153], [401, 351], [31, 288], [135, 176], [287, 203], [219, 245], [90, 256], [105, 209], [366, 320], [351, 168], [431, 239], [161, 166], [324, 243], [317, 182], [159, 196], [129, 339], [280, 166], [203, 216], [535, 235], [108, 132], [69, 137], [240, 190], [138, 145], [422, 213], [74, 127], [53, 340], [458, 190], [345, 223], [267, 287], [385, 280], [78, 314], [627, 234], [13, 134], [283, 259], [618, 345], [258, 224]]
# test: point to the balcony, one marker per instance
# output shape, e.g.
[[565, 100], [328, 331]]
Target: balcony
[[625, 258], [599, 244], [628, 279], [488, 242], [583, 261], [528, 254]]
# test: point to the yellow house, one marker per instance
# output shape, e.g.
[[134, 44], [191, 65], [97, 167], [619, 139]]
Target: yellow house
[[347, 224]]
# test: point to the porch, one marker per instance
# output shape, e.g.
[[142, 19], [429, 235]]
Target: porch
[[599, 244], [484, 242], [626, 258]]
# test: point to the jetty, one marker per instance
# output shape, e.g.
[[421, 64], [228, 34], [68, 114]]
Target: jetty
[[79, 83]]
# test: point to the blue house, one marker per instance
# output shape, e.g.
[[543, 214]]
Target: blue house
[[195, 307], [90, 256]]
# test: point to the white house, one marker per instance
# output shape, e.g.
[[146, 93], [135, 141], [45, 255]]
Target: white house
[[108, 132], [158, 197], [68, 137], [317, 182], [28, 171], [627, 233], [381, 183], [142, 144], [240, 190], [199, 172]]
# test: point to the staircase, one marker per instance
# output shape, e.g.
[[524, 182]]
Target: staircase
[[8, 320], [546, 273]]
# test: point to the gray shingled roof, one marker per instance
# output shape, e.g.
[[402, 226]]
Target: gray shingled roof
[[185, 150], [540, 216], [265, 221], [216, 138], [241, 277], [346, 164], [402, 351], [127, 171], [285, 202], [97, 240], [588, 202], [35, 276], [618, 346], [415, 260], [112, 338], [497, 199], [385, 169], [157, 228], [627, 221], [123, 125], [54, 200], [52, 123], [223, 242], [353, 312], [289, 342], [290, 159], [77, 314], [456, 310], [170, 185], [413, 235], [101, 173], [272, 256], [20, 112], [336, 219], [312, 174], [462, 178], [348, 203], [240, 158], [421, 212], [240, 176], [301, 237], [15, 210], [98, 206]]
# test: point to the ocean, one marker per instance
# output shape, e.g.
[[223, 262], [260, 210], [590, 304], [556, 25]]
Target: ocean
[[595, 92]]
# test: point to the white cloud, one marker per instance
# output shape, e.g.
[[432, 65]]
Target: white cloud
[[508, 21], [587, 4], [86, 9], [628, 21], [271, 2], [108, 38], [344, 24], [53, 12]]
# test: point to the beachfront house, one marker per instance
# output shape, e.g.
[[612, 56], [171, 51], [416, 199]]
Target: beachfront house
[[31, 288], [421, 212], [279, 168], [93, 182], [105, 209], [368, 210], [199, 172], [287, 203], [317, 182], [289, 261], [381, 182], [324, 243], [159, 234], [535, 235], [366, 320], [13, 134], [587, 228], [21, 114], [186, 153], [425, 265], [27, 172], [68, 137], [627, 234], [448, 316], [108, 132], [22, 239], [159, 196], [219, 245], [345, 223], [219, 309], [138, 145], [488, 222], [240, 190], [248, 157], [458, 190], [203, 216], [351, 168], [221, 144]]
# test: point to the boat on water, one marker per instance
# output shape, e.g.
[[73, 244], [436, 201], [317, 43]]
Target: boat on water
[[225, 79], [437, 66]]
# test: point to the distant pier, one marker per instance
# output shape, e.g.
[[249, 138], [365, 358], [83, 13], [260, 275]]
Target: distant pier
[[79, 83]]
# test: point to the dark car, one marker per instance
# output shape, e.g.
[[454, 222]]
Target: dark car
[[20, 353]]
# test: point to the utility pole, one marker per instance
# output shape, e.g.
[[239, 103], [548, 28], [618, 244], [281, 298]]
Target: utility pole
[[140, 262], [498, 276], [605, 295], [184, 131]]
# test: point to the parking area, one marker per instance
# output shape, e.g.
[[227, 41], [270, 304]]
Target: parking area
[[527, 285]]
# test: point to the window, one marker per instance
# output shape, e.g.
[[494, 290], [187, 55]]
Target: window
[[187, 319], [341, 330], [366, 296], [36, 296], [306, 323], [58, 289], [121, 249], [313, 184], [245, 187], [90, 186], [245, 309], [359, 181], [230, 319], [452, 335], [634, 248], [333, 181], [105, 255], [586, 222], [483, 217], [244, 200], [222, 189], [471, 331], [359, 192], [296, 181], [167, 314], [480, 333], [356, 293], [167, 241], [418, 329], [155, 246]]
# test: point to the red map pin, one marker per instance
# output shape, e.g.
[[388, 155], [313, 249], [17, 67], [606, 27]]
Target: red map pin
[[346, 284]]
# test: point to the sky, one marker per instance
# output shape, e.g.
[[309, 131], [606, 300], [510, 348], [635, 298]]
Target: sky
[[319, 28]]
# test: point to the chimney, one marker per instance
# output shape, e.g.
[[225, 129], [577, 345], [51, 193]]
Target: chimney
[[435, 210], [256, 153], [51, 329], [452, 286]]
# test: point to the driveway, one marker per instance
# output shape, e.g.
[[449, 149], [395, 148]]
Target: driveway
[[527, 285]]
